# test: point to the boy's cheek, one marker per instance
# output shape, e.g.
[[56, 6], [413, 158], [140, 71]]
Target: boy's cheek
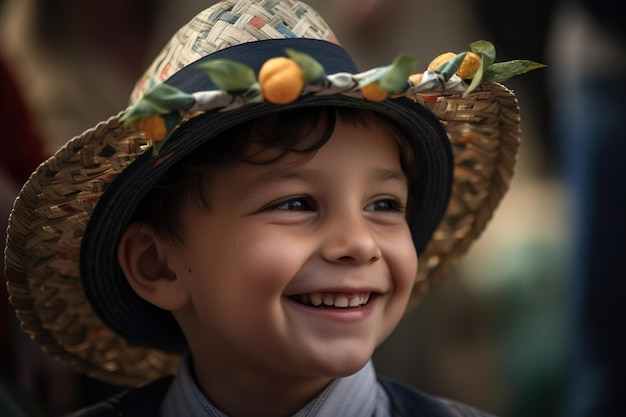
[[405, 264]]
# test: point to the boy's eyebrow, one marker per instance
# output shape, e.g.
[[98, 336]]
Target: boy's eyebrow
[[275, 176], [385, 174]]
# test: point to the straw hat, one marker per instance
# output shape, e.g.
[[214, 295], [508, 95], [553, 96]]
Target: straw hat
[[61, 264]]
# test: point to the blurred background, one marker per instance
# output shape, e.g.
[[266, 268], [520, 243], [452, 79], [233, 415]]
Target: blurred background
[[529, 324]]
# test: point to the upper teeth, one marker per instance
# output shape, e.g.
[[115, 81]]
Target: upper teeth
[[334, 300]]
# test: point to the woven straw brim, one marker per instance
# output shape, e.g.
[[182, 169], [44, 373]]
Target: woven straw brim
[[42, 258], [484, 130], [52, 211]]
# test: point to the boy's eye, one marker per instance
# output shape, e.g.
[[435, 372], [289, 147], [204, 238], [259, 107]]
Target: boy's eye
[[295, 204], [386, 204]]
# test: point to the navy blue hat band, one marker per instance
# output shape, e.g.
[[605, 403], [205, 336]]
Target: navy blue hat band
[[254, 54]]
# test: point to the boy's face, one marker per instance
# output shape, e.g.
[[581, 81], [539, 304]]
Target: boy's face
[[279, 239]]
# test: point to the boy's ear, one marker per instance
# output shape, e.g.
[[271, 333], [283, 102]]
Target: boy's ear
[[143, 256]]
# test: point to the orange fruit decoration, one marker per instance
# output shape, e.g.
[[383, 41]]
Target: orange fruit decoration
[[440, 60], [373, 92], [281, 80], [154, 127], [416, 78], [469, 66], [466, 70]]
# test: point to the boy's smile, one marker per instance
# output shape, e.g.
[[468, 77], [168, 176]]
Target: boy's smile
[[318, 299], [300, 268]]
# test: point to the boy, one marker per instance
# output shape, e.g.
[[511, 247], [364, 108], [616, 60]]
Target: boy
[[259, 211]]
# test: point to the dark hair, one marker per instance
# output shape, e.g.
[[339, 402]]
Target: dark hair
[[301, 131]]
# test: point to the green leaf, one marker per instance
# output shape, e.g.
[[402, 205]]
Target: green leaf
[[448, 68], [140, 110], [253, 94], [312, 71], [168, 98], [171, 120], [161, 99], [502, 71], [477, 79], [229, 75], [396, 75], [486, 50]]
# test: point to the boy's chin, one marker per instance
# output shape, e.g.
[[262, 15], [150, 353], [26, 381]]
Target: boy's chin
[[342, 360], [340, 366]]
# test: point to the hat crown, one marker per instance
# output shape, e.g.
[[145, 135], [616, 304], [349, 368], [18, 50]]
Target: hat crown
[[229, 23]]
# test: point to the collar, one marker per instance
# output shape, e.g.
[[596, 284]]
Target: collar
[[357, 395]]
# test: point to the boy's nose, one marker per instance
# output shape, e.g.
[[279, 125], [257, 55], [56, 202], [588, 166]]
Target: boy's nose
[[350, 240]]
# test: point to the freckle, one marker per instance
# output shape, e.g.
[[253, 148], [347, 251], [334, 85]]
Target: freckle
[[234, 245], [189, 270]]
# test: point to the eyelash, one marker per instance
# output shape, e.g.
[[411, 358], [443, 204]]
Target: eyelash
[[305, 204], [308, 204], [391, 203]]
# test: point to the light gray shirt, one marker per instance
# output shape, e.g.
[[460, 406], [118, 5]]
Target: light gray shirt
[[358, 395]]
